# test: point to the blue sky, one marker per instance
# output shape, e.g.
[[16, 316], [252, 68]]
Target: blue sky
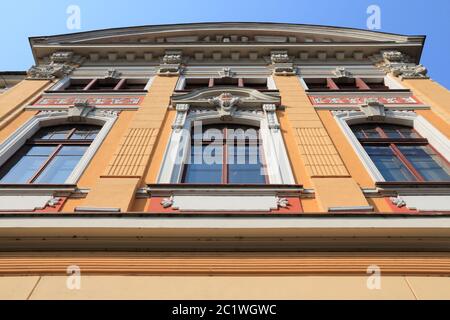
[[20, 19]]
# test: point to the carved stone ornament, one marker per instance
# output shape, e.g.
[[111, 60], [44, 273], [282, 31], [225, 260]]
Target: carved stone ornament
[[282, 63], [167, 202], [398, 201], [112, 74], [61, 64], [226, 73], [399, 64], [374, 110], [342, 72], [171, 63], [271, 116], [79, 111], [53, 202], [180, 119], [226, 103], [282, 202]]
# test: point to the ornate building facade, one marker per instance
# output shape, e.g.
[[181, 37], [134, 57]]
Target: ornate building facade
[[225, 160]]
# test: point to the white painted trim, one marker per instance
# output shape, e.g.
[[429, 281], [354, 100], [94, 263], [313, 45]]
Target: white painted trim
[[271, 85], [15, 141], [408, 118]]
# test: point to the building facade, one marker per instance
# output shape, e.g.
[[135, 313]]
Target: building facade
[[225, 160]]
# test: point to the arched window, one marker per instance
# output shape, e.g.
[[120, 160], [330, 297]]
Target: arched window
[[225, 154], [401, 154], [50, 156]]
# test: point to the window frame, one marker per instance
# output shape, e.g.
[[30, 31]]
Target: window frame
[[45, 119], [395, 143], [61, 86], [435, 138], [225, 161], [278, 165], [181, 84], [58, 144]]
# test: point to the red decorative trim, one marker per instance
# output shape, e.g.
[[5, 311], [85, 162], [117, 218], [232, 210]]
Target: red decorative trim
[[107, 101], [358, 100]]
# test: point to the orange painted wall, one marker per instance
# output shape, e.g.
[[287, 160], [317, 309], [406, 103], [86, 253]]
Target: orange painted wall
[[348, 155]]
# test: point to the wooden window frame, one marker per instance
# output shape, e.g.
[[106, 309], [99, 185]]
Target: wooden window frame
[[58, 144], [224, 143], [385, 140]]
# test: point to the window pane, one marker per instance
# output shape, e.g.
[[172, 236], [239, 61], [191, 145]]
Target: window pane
[[366, 131], [25, 164], [205, 165], [244, 165], [53, 133], [429, 164], [85, 133], [62, 165], [388, 164], [392, 131]]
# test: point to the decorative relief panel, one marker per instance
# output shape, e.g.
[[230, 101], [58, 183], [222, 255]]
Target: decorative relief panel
[[109, 101], [358, 100], [60, 64]]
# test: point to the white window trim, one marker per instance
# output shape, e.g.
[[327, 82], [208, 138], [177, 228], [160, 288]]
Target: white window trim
[[435, 138], [278, 164], [44, 119]]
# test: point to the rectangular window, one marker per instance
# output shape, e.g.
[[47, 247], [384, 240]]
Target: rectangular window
[[106, 85]]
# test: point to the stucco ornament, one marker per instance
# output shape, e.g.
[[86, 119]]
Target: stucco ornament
[[342, 72], [374, 110], [60, 65], [282, 63], [399, 64], [171, 63], [398, 201], [167, 202], [226, 103], [282, 202]]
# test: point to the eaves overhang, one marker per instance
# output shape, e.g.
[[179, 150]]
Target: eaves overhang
[[190, 37]]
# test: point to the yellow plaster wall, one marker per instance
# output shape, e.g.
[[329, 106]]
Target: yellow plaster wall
[[348, 155], [15, 97], [127, 166], [432, 93], [15, 124], [327, 172]]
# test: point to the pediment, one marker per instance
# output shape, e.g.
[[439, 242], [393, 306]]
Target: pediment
[[208, 96]]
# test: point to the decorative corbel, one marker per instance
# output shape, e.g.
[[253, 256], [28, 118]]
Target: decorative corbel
[[272, 120], [342, 72], [282, 63], [61, 65], [399, 64], [226, 73], [180, 119], [374, 110], [171, 63], [112, 74]]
